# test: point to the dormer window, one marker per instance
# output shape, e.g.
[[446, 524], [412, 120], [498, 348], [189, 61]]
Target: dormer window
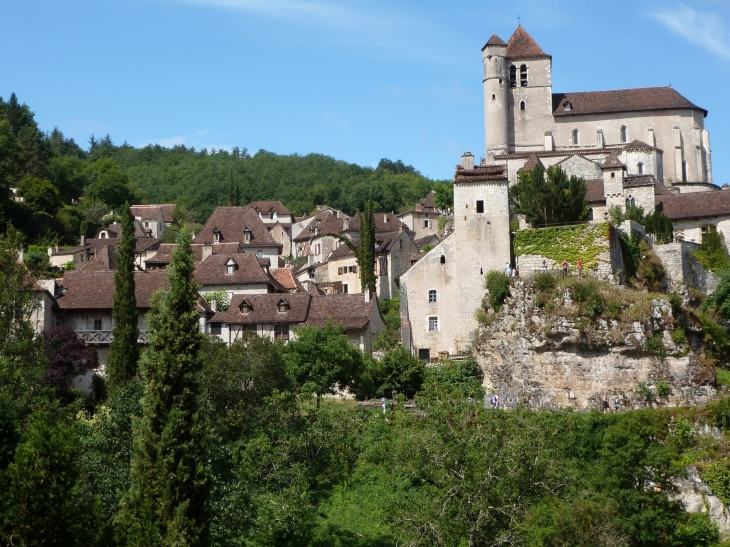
[[245, 307], [523, 76], [216, 235], [567, 106], [283, 306], [247, 234], [230, 266], [272, 215]]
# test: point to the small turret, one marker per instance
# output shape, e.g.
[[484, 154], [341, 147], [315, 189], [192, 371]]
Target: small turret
[[494, 56]]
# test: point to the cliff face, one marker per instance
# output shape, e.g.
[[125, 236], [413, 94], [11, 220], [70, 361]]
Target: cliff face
[[549, 354]]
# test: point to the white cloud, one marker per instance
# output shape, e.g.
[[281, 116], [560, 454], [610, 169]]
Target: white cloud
[[706, 30]]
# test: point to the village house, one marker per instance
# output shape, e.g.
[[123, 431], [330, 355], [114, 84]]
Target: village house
[[276, 316], [237, 273], [310, 242], [384, 222], [59, 257], [151, 218], [278, 220], [423, 219], [240, 225]]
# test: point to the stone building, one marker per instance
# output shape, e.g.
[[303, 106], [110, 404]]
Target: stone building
[[441, 292], [423, 219], [241, 225], [278, 220], [309, 241]]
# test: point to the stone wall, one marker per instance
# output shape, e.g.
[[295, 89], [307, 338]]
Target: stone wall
[[544, 361], [684, 271]]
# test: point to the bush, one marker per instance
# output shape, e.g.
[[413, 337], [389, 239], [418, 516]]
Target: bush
[[614, 308], [644, 392], [719, 412], [679, 336], [655, 345], [676, 301], [497, 284], [717, 477], [583, 291], [662, 388], [544, 281], [712, 253]]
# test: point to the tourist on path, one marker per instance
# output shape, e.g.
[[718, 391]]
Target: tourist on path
[[580, 267], [565, 268]]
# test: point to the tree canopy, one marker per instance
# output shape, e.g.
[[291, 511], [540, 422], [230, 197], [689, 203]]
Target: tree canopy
[[549, 197]]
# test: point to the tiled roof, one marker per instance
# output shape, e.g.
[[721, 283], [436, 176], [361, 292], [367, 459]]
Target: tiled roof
[[532, 162], [553, 153], [522, 46], [269, 207], [142, 244], [385, 242], [494, 41], [232, 222], [95, 290], [71, 250], [314, 289], [636, 144], [594, 191], [265, 309], [621, 100], [102, 261], [384, 222], [285, 277], [343, 251], [212, 271], [146, 212], [115, 230], [421, 242], [323, 222], [695, 204], [480, 173], [612, 162], [165, 208], [346, 310]]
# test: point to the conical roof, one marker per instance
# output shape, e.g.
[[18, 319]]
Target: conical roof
[[494, 41], [612, 162], [532, 162], [522, 46]]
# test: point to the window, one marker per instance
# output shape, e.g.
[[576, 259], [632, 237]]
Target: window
[[623, 133], [684, 171], [281, 332], [705, 230], [400, 244], [513, 76], [630, 202], [433, 324], [352, 269], [500, 81], [640, 168], [339, 270], [230, 268], [480, 206], [344, 288], [216, 237], [567, 105], [259, 254], [426, 224], [432, 296], [613, 175], [146, 224], [245, 307], [316, 249], [247, 235], [215, 328], [424, 354], [522, 105], [271, 216], [443, 259], [97, 324], [523, 76], [494, 97], [590, 214], [575, 137], [283, 306]]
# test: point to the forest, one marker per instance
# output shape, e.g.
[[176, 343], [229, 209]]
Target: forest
[[53, 190]]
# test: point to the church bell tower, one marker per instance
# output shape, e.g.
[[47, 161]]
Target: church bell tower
[[496, 89]]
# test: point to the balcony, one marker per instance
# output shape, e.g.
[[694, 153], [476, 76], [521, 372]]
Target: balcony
[[93, 337]]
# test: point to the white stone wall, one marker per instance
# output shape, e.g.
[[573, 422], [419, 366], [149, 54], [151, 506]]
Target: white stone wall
[[682, 270], [235, 288], [351, 279], [690, 229]]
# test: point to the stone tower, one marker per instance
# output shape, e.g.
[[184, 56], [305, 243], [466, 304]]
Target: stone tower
[[496, 96]]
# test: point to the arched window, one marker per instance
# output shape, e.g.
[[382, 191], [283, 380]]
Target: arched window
[[590, 214], [523, 76], [513, 76], [640, 168], [522, 105], [575, 137], [630, 202], [623, 133]]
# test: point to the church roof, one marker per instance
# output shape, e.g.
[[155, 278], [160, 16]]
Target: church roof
[[620, 100], [612, 162], [522, 46], [532, 162], [494, 41]]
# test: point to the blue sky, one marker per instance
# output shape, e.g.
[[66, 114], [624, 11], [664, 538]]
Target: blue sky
[[357, 80]]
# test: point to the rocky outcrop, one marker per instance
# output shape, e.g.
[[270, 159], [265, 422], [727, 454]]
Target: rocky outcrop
[[696, 497], [558, 359]]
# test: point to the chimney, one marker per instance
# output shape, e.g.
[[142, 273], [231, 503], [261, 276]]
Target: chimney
[[650, 139], [367, 294], [401, 227], [385, 218], [334, 214], [207, 250], [467, 160], [549, 147], [82, 241]]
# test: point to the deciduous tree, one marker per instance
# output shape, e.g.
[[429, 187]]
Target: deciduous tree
[[552, 199]]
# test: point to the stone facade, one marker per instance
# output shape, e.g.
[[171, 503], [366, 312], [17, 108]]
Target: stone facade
[[684, 271]]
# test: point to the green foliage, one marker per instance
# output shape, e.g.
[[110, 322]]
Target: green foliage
[[571, 243], [716, 339], [717, 477], [549, 198], [615, 215], [497, 284], [662, 388], [675, 300], [366, 248], [69, 266], [427, 248], [390, 310], [718, 411], [719, 300], [544, 281], [655, 344], [124, 352], [221, 298], [660, 226], [443, 221], [398, 371], [634, 213], [631, 254], [453, 379], [644, 392], [321, 360], [39, 194], [650, 270], [444, 198], [679, 337], [712, 254], [169, 436]]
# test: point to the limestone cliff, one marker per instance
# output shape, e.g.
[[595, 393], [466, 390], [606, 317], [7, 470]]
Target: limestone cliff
[[544, 350]]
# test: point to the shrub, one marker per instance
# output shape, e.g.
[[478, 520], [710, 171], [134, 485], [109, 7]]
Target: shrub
[[712, 253], [544, 281], [675, 300], [717, 477], [482, 317], [655, 345], [583, 291], [662, 388], [679, 336], [719, 412], [595, 306], [497, 284], [644, 392], [69, 266], [614, 308]]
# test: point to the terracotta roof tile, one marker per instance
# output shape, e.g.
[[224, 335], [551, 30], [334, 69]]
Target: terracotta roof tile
[[594, 191], [265, 309], [636, 144], [621, 100], [384, 222], [95, 290], [522, 46], [532, 162], [494, 41], [421, 242], [346, 310], [102, 261], [612, 162], [269, 207], [323, 222], [146, 212], [232, 222], [72, 250], [695, 204], [480, 173], [212, 271], [285, 277]]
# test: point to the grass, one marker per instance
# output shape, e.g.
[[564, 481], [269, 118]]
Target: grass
[[723, 377]]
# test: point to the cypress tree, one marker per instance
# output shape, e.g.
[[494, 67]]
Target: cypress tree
[[168, 499], [124, 352], [366, 249], [234, 193]]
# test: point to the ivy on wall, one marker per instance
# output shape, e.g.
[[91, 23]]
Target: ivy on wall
[[221, 297], [558, 243]]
